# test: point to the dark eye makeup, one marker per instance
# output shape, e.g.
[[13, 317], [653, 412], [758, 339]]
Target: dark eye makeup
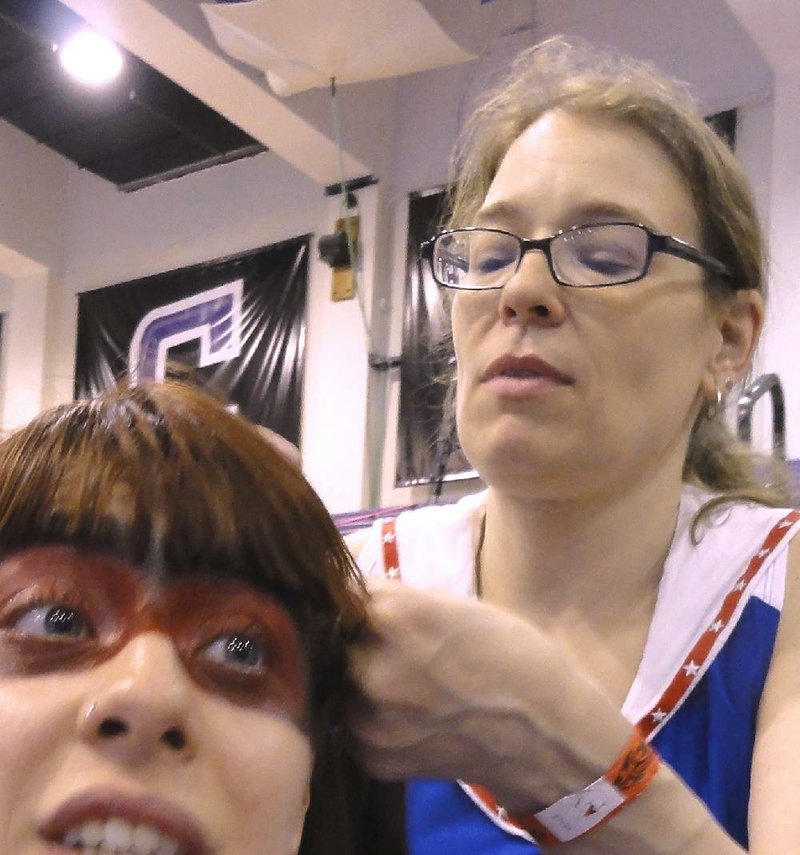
[[74, 610]]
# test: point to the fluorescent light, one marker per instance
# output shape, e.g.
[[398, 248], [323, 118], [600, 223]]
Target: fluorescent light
[[91, 58]]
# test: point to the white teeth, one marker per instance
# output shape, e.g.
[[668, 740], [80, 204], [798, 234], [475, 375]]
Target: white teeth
[[145, 839], [92, 833], [72, 837], [117, 836]]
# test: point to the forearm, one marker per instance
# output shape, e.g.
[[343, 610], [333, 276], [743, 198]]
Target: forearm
[[458, 690], [568, 737], [667, 819]]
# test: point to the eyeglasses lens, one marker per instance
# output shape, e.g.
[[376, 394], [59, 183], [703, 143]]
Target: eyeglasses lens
[[475, 259], [600, 255]]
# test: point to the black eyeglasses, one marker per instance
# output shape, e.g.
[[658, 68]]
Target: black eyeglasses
[[596, 256]]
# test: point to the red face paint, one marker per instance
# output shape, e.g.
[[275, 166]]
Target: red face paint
[[65, 608]]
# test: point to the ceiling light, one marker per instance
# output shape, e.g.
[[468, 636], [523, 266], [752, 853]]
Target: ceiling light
[[91, 58]]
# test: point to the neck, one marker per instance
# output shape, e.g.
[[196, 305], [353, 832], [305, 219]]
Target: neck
[[598, 558]]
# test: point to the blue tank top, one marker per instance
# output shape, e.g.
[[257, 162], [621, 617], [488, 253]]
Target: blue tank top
[[719, 599], [708, 742]]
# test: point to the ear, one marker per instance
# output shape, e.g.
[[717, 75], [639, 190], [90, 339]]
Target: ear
[[739, 321]]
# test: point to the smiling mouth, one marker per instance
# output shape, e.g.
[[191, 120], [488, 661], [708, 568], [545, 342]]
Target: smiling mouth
[[117, 836]]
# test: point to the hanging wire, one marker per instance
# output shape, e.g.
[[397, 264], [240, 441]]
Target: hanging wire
[[345, 210]]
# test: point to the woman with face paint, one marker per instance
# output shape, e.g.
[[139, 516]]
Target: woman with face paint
[[173, 599]]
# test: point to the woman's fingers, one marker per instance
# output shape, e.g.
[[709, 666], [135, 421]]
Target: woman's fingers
[[432, 685]]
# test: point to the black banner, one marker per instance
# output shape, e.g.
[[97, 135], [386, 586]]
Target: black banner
[[427, 445], [235, 326]]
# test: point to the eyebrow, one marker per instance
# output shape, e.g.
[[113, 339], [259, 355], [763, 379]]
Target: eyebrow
[[500, 210], [585, 214]]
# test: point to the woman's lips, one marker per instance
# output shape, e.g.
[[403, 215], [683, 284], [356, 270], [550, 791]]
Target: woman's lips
[[107, 814], [523, 376]]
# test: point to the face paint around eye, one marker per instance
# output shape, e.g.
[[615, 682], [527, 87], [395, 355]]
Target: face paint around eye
[[65, 608], [239, 643], [48, 620]]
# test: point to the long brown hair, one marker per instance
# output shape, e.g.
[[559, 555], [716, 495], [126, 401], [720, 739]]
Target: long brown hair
[[164, 477]]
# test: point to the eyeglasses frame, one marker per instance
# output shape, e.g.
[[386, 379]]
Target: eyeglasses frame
[[655, 243]]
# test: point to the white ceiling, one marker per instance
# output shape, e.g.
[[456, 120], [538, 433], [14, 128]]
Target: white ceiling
[[723, 48]]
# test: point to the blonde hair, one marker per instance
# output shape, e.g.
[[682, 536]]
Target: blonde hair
[[582, 79]]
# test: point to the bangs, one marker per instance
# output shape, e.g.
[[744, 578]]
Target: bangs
[[163, 477]]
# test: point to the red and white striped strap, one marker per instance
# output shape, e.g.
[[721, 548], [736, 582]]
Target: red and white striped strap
[[391, 557], [693, 666]]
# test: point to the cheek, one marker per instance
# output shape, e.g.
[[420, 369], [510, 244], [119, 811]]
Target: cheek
[[660, 338], [457, 325], [267, 770], [471, 315], [36, 714], [649, 374], [37, 728]]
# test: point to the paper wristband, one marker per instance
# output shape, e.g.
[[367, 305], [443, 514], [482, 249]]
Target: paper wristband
[[578, 813]]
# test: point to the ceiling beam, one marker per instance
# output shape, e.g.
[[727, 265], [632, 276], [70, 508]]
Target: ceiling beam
[[149, 34], [774, 26], [15, 265]]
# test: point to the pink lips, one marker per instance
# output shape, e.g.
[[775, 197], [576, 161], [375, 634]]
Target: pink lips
[[102, 805], [521, 376]]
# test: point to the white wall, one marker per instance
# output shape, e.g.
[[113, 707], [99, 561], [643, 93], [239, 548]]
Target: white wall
[[32, 208], [769, 144], [32, 180], [780, 352]]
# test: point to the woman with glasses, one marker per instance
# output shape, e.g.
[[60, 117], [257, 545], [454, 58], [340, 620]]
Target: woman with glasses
[[173, 603], [600, 651]]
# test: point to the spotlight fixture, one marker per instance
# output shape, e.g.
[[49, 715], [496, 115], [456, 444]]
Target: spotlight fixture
[[91, 58]]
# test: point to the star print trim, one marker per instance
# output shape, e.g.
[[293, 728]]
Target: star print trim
[[688, 674], [693, 666]]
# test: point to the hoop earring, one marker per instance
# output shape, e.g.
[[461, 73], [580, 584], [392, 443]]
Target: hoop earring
[[716, 407]]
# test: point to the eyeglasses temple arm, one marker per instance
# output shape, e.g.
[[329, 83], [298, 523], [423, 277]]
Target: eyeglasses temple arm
[[676, 247]]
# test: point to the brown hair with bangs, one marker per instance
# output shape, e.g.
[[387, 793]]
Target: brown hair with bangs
[[162, 476]]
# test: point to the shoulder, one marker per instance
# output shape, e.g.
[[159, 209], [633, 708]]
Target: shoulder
[[357, 540], [724, 532], [434, 544]]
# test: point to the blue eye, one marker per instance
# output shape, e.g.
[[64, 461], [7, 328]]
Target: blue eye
[[601, 254], [488, 260], [608, 262], [489, 263], [55, 620], [237, 650]]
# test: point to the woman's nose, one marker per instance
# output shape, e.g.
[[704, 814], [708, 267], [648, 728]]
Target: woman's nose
[[532, 295], [139, 704]]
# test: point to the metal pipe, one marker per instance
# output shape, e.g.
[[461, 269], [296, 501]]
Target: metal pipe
[[744, 411]]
